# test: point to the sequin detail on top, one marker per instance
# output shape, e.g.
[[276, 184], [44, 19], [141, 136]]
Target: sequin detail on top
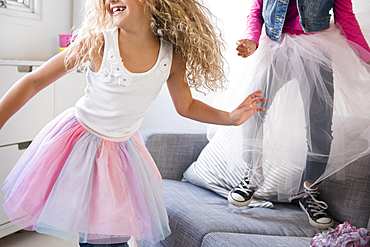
[[163, 67], [114, 68]]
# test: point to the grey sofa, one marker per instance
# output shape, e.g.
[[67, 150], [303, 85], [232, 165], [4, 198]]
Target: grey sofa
[[201, 218]]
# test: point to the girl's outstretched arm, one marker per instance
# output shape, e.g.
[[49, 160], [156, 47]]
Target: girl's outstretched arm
[[194, 109], [29, 85]]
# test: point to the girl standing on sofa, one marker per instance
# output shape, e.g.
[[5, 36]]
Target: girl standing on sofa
[[313, 71], [87, 177]]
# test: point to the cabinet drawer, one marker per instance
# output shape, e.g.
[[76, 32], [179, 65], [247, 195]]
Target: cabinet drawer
[[68, 90], [9, 156], [28, 121]]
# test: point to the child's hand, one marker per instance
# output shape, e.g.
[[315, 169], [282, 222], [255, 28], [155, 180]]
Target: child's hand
[[246, 109], [246, 47]]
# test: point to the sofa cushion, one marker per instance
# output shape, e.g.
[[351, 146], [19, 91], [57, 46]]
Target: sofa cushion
[[195, 212], [217, 169], [222, 239], [173, 152], [349, 198]]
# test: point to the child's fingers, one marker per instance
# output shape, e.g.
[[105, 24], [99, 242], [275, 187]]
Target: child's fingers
[[258, 91], [242, 49], [245, 50], [259, 100], [253, 102], [249, 105], [256, 94], [256, 109], [243, 54], [241, 42]]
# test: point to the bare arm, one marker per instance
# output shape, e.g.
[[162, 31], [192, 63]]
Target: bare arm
[[29, 85], [194, 109]]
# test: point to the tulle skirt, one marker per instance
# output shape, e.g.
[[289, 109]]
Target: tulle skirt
[[300, 74], [74, 185]]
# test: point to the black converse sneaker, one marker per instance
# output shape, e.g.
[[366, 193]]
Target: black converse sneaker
[[315, 209], [242, 194]]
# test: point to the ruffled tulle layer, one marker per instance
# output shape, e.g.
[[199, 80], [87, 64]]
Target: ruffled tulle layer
[[299, 75], [74, 185]]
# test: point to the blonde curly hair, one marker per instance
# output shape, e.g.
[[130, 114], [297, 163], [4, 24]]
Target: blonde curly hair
[[185, 23]]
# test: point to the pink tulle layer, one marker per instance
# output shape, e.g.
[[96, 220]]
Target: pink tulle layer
[[74, 185]]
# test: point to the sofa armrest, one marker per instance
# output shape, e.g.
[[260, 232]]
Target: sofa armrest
[[174, 151]]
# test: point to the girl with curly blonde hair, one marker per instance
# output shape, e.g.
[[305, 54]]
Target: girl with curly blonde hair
[[88, 175]]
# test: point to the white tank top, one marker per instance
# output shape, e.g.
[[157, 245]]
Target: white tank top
[[116, 99]]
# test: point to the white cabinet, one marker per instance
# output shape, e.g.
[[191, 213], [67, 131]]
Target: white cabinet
[[27, 122], [68, 90], [9, 156]]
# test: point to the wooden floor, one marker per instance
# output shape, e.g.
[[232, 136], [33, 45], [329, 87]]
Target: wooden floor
[[34, 239]]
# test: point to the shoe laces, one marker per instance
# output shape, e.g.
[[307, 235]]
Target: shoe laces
[[317, 207], [244, 189], [244, 185]]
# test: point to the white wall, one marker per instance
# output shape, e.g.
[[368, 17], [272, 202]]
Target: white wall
[[27, 39]]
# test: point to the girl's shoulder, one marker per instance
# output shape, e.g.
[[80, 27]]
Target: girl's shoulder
[[167, 46], [108, 44]]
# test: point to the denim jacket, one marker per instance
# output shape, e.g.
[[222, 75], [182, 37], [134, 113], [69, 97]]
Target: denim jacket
[[314, 15]]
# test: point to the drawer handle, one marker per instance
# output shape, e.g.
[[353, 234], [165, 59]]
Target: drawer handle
[[24, 68], [23, 145]]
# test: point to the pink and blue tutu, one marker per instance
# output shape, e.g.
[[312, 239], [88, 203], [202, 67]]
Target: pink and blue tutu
[[77, 186]]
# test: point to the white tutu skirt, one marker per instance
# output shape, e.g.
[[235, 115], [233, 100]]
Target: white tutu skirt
[[299, 74], [74, 185]]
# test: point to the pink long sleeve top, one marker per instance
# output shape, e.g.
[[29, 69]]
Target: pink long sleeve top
[[343, 15]]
